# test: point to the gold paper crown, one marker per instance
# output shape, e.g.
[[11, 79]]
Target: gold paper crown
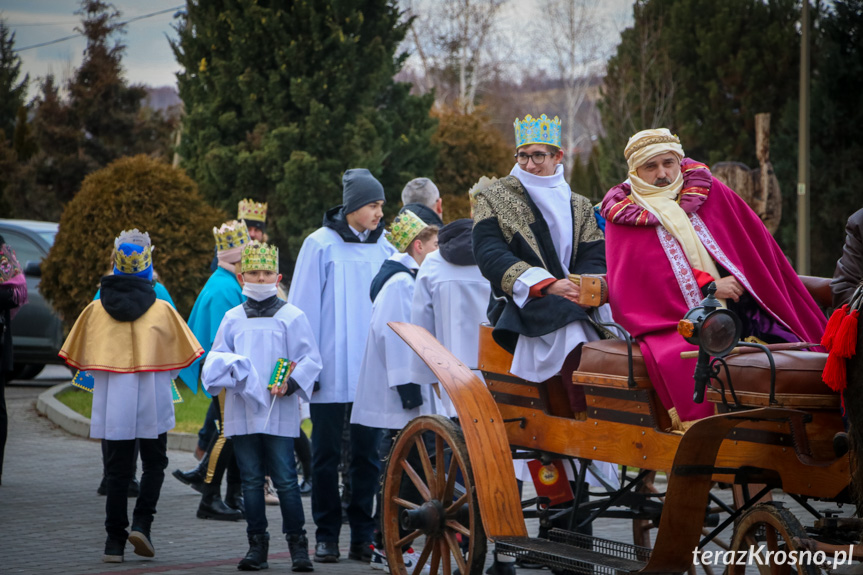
[[134, 262], [405, 228], [542, 130], [248, 209], [231, 235], [258, 256]]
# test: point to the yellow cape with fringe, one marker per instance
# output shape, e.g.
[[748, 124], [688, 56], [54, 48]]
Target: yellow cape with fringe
[[159, 340]]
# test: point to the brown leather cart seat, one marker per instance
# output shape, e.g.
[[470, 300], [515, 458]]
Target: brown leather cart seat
[[606, 363], [798, 380]]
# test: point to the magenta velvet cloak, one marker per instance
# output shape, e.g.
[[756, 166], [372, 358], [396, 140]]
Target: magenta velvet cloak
[[651, 285]]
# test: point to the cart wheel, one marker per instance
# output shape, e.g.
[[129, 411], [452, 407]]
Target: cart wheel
[[443, 507], [774, 528]]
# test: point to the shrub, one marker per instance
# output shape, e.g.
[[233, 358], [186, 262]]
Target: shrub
[[132, 192]]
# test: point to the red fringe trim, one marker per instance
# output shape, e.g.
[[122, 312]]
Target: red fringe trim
[[834, 374], [833, 326], [845, 342]]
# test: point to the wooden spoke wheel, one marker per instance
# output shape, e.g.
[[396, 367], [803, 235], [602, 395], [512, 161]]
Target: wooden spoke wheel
[[771, 529], [428, 491]]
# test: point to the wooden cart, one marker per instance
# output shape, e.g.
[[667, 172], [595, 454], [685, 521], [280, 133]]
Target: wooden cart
[[776, 432]]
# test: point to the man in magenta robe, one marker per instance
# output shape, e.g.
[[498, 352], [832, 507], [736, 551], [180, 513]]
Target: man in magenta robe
[[672, 228]]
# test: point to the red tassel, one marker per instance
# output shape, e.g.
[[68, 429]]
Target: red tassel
[[845, 342], [834, 373], [833, 326]]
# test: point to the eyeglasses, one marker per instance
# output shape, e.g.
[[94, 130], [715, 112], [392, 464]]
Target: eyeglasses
[[537, 157]]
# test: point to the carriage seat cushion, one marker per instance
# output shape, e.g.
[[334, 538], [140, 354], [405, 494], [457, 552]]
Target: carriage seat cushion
[[798, 374], [610, 357]]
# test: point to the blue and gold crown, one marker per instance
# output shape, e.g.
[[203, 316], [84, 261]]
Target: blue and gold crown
[[258, 256], [129, 261], [231, 235], [542, 130], [406, 227]]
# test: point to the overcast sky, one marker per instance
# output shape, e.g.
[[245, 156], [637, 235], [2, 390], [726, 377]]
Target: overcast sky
[[148, 58]]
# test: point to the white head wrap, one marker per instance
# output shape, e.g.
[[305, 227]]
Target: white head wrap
[[662, 202]]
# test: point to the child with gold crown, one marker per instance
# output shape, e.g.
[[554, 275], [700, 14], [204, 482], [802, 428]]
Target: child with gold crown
[[133, 345], [265, 340]]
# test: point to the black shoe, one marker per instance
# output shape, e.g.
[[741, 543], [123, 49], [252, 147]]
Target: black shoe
[[234, 497], [212, 506], [134, 488], [140, 540], [189, 477], [298, 545], [327, 552], [305, 487], [114, 550], [103, 487], [361, 552], [256, 557]]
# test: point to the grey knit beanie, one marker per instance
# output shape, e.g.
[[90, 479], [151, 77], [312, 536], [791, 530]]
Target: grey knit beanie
[[360, 187]]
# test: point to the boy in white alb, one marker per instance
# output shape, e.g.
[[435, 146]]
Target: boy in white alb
[[331, 280], [387, 397], [255, 338]]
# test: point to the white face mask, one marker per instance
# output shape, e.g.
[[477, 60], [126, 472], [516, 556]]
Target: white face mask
[[259, 292]]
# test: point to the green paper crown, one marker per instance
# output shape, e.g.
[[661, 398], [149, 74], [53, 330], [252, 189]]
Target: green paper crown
[[258, 256], [405, 228]]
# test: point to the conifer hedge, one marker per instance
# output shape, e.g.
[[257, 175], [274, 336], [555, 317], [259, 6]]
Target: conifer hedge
[[132, 192]]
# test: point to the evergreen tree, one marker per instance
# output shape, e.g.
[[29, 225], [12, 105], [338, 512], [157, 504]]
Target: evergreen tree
[[703, 69], [836, 144], [12, 90], [281, 97], [101, 120]]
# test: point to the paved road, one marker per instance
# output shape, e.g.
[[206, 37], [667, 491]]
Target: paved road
[[51, 520]]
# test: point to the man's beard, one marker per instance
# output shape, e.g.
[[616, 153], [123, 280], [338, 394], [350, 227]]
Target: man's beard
[[662, 182]]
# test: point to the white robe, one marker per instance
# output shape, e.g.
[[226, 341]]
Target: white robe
[[450, 301], [331, 286], [132, 405], [264, 340], [387, 358]]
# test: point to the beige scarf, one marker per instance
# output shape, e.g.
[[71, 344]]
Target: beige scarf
[[662, 202]]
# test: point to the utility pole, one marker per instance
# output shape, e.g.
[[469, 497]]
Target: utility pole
[[803, 191]]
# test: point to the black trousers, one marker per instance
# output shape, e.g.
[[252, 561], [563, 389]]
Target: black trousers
[[119, 471], [222, 451]]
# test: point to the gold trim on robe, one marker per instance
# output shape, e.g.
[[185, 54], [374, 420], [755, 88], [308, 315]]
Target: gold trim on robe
[[159, 340]]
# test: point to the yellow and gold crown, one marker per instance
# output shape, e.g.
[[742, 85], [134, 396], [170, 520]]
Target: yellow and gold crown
[[405, 228], [258, 256], [231, 235], [249, 209], [134, 262], [542, 130]]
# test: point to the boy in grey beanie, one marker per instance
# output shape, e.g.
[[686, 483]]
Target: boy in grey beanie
[[331, 282]]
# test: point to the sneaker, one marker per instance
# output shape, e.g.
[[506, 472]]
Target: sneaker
[[411, 558], [142, 544], [379, 559], [327, 552], [113, 551], [361, 552]]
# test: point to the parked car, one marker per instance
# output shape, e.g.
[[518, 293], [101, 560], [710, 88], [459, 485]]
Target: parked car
[[37, 332]]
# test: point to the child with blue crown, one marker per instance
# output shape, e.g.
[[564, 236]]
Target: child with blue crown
[[133, 345], [265, 340]]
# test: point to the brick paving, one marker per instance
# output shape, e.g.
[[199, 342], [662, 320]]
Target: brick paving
[[51, 519]]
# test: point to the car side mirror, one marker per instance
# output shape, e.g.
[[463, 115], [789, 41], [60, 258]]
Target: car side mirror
[[33, 269]]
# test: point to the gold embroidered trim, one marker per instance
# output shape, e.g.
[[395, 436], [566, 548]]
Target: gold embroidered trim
[[512, 274], [505, 201]]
